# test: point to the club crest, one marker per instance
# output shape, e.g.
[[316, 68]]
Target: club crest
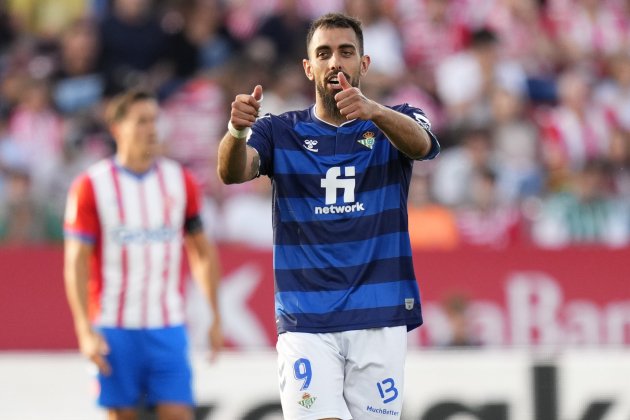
[[367, 140]]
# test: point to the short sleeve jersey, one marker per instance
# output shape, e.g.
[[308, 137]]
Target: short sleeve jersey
[[342, 256], [136, 224]]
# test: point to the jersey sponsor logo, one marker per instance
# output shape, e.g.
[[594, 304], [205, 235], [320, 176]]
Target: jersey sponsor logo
[[332, 183], [422, 120], [409, 303], [367, 140], [310, 145], [125, 236], [384, 411], [307, 400]]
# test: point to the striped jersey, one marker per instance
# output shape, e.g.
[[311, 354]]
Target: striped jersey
[[342, 256], [136, 223]]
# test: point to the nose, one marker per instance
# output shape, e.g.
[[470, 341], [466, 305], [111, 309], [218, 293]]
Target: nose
[[334, 63]]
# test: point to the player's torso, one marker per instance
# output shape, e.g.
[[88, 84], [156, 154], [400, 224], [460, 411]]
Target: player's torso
[[342, 256], [141, 218]]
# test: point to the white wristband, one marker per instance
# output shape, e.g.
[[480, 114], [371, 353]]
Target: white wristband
[[239, 134]]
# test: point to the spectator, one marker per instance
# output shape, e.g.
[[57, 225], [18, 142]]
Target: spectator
[[21, 219], [525, 37], [203, 43], [192, 120], [515, 147], [454, 170], [78, 84], [430, 33], [287, 92], [586, 214], [46, 18], [36, 128], [383, 44], [286, 30], [483, 220], [575, 130], [133, 46], [465, 80], [588, 31], [613, 93]]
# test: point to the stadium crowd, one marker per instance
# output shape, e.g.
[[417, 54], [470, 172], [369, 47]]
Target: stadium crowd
[[530, 98]]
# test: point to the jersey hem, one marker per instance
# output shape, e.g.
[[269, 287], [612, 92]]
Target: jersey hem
[[340, 328]]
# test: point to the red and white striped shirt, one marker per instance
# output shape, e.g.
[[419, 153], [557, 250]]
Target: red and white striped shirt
[[136, 223]]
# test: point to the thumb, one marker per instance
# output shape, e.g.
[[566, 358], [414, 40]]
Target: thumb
[[345, 85], [258, 93]]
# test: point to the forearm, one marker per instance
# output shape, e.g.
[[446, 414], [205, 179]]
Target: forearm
[[232, 159], [204, 264], [403, 132], [76, 274], [206, 273]]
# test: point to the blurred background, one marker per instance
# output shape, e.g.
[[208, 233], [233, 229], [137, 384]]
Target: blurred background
[[520, 228]]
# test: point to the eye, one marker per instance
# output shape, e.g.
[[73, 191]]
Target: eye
[[322, 54]]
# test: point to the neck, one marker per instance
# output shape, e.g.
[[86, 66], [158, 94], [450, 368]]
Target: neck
[[135, 164], [324, 114]]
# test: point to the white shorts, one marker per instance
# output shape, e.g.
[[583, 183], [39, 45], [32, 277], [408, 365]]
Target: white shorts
[[347, 375]]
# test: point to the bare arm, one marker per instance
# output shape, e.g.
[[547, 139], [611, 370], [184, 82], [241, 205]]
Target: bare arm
[[237, 162], [404, 133], [204, 263], [76, 273]]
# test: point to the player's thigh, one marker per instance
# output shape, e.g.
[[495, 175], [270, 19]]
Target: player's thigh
[[311, 374], [169, 374], [374, 377], [122, 414], [174, 412], [122, 389]]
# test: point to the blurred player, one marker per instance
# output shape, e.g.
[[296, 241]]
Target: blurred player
[[126, 219], [346, 293]]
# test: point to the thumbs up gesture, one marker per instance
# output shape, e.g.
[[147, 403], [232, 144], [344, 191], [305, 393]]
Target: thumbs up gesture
[[352, 103], [245, 109]]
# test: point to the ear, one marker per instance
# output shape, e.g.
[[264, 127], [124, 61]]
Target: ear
[[114, 130], [308, 69], [365, 64]]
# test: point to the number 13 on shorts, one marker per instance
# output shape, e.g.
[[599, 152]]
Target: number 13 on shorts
[[387, 390]]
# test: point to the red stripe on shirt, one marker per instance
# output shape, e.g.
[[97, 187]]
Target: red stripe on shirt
[[123, 257], [167, 246], [147, 256]]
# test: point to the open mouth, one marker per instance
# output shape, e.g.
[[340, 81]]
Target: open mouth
[[333, 81]]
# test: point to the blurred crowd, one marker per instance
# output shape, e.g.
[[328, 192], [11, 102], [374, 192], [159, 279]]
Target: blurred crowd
[[530, 98]]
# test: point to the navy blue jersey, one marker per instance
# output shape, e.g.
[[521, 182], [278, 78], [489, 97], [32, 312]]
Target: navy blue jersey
[[342, 256]]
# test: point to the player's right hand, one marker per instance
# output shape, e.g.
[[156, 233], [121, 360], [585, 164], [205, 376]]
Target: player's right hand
[[94, 347], [245, 109]]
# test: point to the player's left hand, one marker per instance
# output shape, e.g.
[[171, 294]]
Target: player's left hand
[[352, 103], [215, 340]]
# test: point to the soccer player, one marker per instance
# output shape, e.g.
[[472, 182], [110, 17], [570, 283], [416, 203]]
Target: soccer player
[[126, 220], [346, 293]]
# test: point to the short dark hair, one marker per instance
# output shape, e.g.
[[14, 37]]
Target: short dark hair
[[119, 105], [336, 20]]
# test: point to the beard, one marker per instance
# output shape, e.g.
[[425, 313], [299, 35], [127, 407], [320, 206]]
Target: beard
[[328, 101], [327, 97]]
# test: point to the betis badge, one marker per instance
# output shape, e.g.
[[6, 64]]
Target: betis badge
[[307, 401], [367, 140]]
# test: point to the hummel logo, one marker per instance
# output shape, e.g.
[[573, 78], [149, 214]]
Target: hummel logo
[[310, 145]]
